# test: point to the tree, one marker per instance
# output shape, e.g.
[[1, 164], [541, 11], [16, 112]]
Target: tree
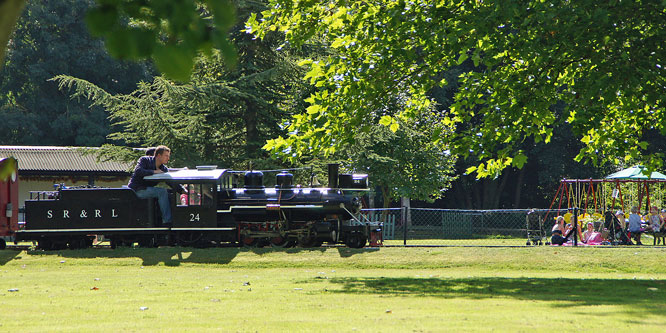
[[169, 32], [603, 61], [405, 163], [221, 115], [51, 39]]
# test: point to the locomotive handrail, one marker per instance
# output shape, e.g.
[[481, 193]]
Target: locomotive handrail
[[274, 170], [43, 195], [352, 215]]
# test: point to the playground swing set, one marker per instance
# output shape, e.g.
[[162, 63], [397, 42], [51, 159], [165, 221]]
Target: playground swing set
[[596, 200]]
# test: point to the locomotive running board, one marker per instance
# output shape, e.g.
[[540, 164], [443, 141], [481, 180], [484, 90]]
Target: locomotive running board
[[269, 208], [204, 229], [93, 230], [118, 229]]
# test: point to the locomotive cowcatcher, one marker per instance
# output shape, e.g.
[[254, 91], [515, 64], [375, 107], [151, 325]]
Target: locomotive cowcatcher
[[214, 209]]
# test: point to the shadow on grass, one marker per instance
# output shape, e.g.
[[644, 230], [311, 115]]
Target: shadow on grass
[[346, 252], [7, 256], [170, 256], [343, 251], [174, 256], [649, 295], [266, 250]]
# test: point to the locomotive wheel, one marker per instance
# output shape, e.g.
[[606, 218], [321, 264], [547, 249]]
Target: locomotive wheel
[[58, 245], [279, 241], [3, 244], [309, 242], [189, 237], [115, 242], [79, 243], [44, 244], [73, 244], [249, 241], [356, 241], [147, 242], [263, 242]]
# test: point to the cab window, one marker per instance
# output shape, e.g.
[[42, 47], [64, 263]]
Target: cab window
[[196, 195]]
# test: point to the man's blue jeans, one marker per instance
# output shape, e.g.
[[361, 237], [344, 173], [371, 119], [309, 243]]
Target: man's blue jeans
[[162, 198]]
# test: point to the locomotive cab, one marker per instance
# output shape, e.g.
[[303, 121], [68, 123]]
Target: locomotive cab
[[194, 208]]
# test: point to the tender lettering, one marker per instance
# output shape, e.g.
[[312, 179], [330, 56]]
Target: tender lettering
[[84, 214]]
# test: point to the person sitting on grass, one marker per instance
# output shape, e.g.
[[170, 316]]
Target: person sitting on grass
[[593, 237], [559, 224], [588, 232], [560, 238], [635, 225], [557, 233]]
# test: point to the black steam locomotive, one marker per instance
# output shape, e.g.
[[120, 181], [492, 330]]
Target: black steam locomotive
[[214, 209]]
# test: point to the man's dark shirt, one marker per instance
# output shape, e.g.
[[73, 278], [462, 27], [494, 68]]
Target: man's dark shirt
[[144, 167]]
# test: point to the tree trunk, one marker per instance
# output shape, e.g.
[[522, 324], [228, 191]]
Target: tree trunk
[[405, 204], [251, 132], [386, 198], [386, 203], [519, 187]]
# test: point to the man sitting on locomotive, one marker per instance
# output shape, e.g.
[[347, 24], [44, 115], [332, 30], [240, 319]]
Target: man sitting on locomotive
[[150, 165]]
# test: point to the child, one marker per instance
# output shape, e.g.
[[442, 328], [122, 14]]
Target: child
[[655, 220], [621, 218], [588, 233], [635, 225]]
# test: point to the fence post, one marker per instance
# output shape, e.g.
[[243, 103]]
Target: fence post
[[404, 224], [575, 226]]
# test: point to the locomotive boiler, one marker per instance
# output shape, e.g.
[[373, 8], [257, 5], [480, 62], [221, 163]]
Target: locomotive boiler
[[218, 206]]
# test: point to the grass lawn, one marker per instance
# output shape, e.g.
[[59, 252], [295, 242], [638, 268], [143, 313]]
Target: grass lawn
[[334, 289]]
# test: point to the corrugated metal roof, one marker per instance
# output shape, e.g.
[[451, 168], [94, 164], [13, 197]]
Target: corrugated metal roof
[[49, 158]]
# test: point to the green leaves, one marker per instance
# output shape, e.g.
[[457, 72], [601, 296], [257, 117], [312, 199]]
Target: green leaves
[[131, 43], [519, 160], [175, 62], [171, 32], [102, 19], [8, 169], [391, 122], [533, 71], [386, 120]]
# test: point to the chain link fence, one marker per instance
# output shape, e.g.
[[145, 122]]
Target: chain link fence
[[502, 227]]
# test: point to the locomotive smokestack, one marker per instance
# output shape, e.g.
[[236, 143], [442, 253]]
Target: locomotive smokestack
[[333, 169]]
